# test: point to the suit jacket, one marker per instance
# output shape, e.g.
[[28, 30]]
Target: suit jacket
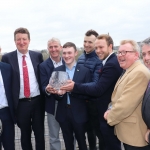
[[12, 59], [6, 72], [77, 101], [46, 69], [103, 89], [146, 108], [126, 105]]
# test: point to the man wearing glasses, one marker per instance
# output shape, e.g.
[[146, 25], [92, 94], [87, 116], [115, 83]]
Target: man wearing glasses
[[125, 111]]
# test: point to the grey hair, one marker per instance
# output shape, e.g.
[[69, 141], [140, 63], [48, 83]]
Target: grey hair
[[53, 39], [145, 42], [133, 43]]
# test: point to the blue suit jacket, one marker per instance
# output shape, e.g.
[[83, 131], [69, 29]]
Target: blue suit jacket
[[102, 90], [6, 72], [46, 69], [77, 101], [12, 59]]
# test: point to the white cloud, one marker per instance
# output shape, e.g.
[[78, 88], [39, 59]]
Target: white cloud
[[69, 20]]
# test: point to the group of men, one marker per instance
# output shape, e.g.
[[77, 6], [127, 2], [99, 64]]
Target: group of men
[[103, 97]]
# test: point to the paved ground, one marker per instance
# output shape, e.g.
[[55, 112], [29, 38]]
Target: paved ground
[[18, 144]]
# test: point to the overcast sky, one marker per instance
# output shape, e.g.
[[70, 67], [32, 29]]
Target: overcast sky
[[68, 20]]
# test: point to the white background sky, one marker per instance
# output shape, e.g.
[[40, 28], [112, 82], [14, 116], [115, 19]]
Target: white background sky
[[68, 20]]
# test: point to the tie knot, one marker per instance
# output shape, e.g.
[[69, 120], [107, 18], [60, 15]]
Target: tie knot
[[23, 56]]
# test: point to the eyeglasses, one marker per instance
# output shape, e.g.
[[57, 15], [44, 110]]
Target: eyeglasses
[[123, 53]]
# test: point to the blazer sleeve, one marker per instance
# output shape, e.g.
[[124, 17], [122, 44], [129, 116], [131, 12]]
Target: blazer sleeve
[[43, 78], [131, 97], [109, 76]]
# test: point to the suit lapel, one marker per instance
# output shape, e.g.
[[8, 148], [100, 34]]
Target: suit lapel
[[15, 65], [33, 60], [50, 63], [147, 94], [76, 72]]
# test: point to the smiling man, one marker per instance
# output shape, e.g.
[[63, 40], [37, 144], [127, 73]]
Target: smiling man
[[90, 60], [46, 68], [103, 88], [72, 111], [125, 112], [146, 101], [28, 102]]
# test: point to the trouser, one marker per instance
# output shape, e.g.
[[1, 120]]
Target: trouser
[[30, 116]]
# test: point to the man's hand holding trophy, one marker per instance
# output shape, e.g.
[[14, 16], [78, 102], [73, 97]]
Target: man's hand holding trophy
[[57, 80]]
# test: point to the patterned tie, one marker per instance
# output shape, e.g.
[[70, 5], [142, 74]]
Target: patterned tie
[[25, 77]]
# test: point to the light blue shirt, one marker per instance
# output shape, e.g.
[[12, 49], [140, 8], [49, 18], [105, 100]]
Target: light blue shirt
[[71, 74]]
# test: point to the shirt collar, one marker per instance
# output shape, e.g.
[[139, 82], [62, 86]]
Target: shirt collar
[[20, 54], [104, 61], [72, 67], [54, 62]]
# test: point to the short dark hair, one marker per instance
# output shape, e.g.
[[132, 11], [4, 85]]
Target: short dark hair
[[108, 39], [91, 32], [23, 31], [70, 44]]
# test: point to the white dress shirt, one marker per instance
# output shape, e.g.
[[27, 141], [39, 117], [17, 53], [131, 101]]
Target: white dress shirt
[[104, 61], [34, 86], [3, 99]]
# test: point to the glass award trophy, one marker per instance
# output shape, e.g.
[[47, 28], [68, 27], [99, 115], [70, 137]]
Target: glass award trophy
[[58, 79]]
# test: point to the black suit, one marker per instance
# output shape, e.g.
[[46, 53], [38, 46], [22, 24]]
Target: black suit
[[7, 113], [73, 119], [30, 114]]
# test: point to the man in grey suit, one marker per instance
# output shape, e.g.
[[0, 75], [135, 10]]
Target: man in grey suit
[[146, 101]]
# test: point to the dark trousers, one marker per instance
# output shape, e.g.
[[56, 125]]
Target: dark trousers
[[69, 127], [129, 147], [8, 133], [93, 125], [110, 139], [30, 116]]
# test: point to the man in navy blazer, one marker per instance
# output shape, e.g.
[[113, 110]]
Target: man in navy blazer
[[29, 110], [145, 45], [7, 116], [46, 68], [103, 89], [72, 111]]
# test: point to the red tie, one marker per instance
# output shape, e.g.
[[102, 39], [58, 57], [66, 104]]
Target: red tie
[[25, 77]]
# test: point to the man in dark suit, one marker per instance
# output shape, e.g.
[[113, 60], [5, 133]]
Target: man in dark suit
[[146, 101], [102, 89], [7, 116], [28, 103], [46, 68], [72, 111]]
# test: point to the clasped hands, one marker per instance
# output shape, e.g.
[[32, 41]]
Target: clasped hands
[[66, 88]]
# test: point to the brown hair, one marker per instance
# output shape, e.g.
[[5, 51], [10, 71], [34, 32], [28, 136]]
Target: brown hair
[[108, 39], [70, 44], [23, 31]]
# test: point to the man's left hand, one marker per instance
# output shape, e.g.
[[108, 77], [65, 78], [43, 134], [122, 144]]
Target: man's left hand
[[105, 114]]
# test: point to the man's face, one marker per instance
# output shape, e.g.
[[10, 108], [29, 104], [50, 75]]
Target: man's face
[[146, 55], [22, 42], [89, 43], [69, 55], [102, 49], [54, 49], [129, 58]]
